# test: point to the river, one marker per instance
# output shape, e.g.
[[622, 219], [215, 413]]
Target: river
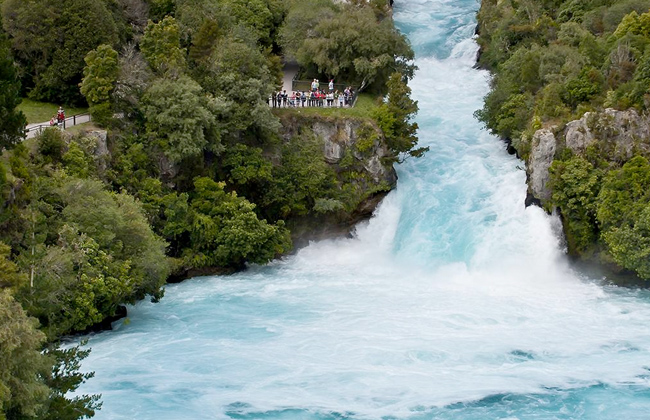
[[453, 302]]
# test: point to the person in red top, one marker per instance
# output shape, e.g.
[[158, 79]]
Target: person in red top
[[60, 115]]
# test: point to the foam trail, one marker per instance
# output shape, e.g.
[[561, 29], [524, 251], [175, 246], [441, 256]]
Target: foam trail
[[453, 302]]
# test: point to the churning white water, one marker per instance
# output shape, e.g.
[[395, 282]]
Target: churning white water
[[453, 302]]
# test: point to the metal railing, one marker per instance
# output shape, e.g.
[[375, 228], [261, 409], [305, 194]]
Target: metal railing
[[74, 120], [295, 101], [305, 85]]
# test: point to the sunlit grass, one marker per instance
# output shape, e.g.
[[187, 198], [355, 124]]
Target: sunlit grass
[[40, 112]]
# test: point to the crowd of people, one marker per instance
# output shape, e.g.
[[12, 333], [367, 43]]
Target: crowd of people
[[315, 97]]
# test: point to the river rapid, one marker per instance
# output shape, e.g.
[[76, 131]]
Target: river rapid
[[453, 302]]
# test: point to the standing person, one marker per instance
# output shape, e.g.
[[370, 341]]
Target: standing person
[[274, 98], [285, 97], [60, 115], [346, 94], [314, 85], [331, 86], [303, 98], [340, 95]]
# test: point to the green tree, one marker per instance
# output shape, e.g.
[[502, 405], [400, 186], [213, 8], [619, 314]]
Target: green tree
[[373, 49], [161, 46], [575, 185], [22, 392], [624, 214], [239, 73], [12, 121], [262, 17], [630, 246], [65, 378], [90, 251], [395, 118], [159, 9], [10, 276], [181, 118], [51, 39], [100, 74], [302, 18], [222, 228], [100, 77], [76, 162], [624, 194]]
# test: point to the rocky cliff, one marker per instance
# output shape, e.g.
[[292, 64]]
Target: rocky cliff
[[356, 150], [618, 135]]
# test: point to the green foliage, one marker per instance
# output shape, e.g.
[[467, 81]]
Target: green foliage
[[624, 194], [51, 145], [12, 121], [66, 378], [180, 118], [161, 46], [10, 277], [22, 392], [394, 118], [90, 250], [159, 9], [100, 74], [51, 39], [575, 184], [254, 14], [582, 88], [76, 162], [302, 177], [570, 65], [246, 165], [327, 205], [223, 229], [238, 73], [630, 246], [624, 214], [102, 114], [302, 18], [100, 77], [374, 49], [634, 24]]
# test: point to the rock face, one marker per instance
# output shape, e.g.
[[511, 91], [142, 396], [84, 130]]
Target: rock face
[[541, 157], [618, 133], [342, 135], [621, 132], [350, 146]]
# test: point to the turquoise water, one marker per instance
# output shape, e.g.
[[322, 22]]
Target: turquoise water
[[453, 302]]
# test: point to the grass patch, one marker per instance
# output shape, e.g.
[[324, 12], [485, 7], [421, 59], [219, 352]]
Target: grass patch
[[40, 112], [365, 107]]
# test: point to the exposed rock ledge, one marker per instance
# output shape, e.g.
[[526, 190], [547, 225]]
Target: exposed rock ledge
[[621, 133], [341, 140]]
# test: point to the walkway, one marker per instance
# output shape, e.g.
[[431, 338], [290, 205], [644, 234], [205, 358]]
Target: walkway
[[290, 71], [32, 130]]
